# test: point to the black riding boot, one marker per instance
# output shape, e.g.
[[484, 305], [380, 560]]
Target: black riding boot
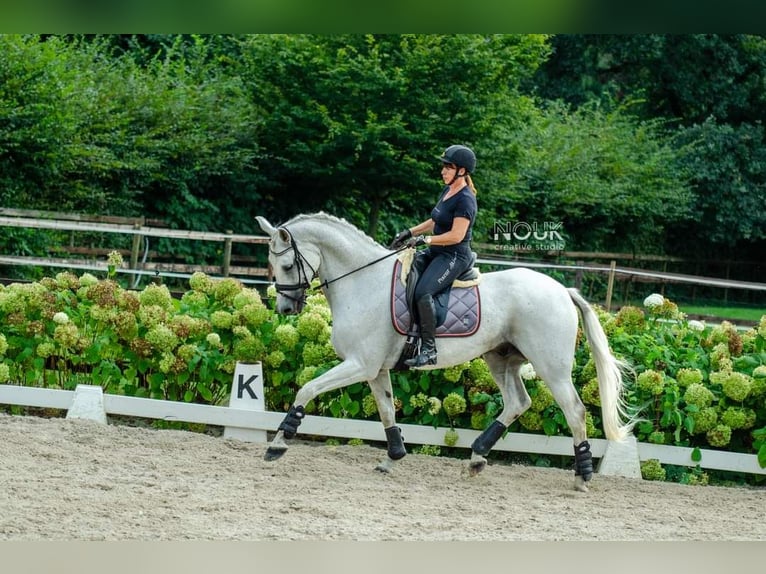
[[427, 315]]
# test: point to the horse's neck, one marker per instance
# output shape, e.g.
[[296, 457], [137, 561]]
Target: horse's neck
[[343, 251]]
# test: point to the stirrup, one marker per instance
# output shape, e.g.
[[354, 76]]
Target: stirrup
[[422, 359]]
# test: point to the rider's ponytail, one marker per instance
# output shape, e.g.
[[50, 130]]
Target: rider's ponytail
[[469, 181]]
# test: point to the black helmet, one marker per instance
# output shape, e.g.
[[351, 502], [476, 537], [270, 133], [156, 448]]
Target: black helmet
[[461, 156]]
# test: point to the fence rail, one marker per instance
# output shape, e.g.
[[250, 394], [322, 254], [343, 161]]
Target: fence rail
[[366, 430], [138, 229]]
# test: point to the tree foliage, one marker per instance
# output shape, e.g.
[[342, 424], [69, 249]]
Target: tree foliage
[[357, 121], [645, 143], [613, 182]]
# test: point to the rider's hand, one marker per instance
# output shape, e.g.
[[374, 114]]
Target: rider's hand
[[400, 239], [417, 241]]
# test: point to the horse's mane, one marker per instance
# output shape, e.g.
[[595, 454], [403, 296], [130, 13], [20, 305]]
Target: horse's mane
[[323, 217]]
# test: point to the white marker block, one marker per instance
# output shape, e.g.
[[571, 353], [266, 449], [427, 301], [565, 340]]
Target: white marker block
[[247, 395], [87, 403], [621, 459]]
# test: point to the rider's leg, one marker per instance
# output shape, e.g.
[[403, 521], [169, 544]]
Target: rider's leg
[[427, 317], [441, 271]]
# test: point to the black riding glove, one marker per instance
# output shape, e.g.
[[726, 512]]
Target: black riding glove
[[400, 239], [417, 241]]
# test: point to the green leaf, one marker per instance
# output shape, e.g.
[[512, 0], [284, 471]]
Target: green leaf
[[550, 427], [480, 398], [762, 456], [204, 391], [696, 454]]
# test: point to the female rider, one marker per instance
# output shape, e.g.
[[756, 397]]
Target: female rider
[[449, 245]]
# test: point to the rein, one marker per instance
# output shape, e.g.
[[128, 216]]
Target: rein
[[303, 278]]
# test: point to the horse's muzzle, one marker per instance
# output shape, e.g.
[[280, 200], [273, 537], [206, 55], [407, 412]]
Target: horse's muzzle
[[290, 305]]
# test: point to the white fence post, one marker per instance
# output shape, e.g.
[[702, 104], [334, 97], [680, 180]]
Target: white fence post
[[621, 459], [247, 394], [88, 403]]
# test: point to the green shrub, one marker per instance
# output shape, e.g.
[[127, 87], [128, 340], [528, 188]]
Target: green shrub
[[695, 386]]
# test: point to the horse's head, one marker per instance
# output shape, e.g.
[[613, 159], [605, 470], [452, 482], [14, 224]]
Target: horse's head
[[293, 267]]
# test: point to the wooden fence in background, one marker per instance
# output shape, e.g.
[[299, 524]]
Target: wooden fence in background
[[141, 261], [138, 257]]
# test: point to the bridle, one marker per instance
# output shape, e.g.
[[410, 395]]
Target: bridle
[[300, 262], [304, 281]]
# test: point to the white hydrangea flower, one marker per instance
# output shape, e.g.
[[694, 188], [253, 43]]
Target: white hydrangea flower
[[696, 325], [213, 339], [61, 318], [654, 300], [528, 372]]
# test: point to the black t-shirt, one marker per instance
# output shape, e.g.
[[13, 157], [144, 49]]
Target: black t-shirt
[[462, 204]]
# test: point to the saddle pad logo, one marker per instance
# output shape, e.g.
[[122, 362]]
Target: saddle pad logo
[[463, 309]]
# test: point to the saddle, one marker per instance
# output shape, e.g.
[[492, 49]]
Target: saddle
[[458, 309]]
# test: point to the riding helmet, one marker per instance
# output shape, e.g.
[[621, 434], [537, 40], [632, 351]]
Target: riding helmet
[[460, 156]]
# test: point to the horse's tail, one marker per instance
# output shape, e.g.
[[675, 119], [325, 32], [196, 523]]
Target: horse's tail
[[618, 423]]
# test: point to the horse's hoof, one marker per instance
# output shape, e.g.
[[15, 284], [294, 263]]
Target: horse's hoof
[[273, 453], [476, 467], [580, 485], [385, 466]]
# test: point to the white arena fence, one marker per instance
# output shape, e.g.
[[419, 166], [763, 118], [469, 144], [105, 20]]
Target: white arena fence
[[246, 419]]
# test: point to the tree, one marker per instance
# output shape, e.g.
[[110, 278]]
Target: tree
[[612, 181], [356, 122], [729, 178], [684, 77]]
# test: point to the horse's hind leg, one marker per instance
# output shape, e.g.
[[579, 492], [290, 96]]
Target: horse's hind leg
[[559, 381], [384, 399], [505, 368]]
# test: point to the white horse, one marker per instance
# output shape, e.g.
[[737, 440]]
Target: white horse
[[525, 316]]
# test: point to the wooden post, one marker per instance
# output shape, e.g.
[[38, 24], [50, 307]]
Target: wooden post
[[226, 254], [134, 253], [578, 276], [610, 285]]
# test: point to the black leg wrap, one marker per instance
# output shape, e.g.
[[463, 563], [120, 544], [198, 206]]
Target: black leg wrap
[[486, 440], [396, 448], [292, 421], [583, 461]]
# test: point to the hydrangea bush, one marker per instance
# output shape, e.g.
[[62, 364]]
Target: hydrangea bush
[[694, 385]]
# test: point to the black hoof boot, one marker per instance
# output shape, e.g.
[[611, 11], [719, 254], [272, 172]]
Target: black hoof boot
[[292, 421], [396, 448], [486, 440], [583, 461]]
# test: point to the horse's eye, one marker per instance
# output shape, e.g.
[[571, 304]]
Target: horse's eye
[[287, 267]]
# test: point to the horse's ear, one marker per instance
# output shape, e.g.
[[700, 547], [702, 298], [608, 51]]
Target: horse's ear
[[267, 227], [284, 235]]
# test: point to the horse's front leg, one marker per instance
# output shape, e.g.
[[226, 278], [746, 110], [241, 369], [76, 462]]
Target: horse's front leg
[[342, 375], [384, 399]]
